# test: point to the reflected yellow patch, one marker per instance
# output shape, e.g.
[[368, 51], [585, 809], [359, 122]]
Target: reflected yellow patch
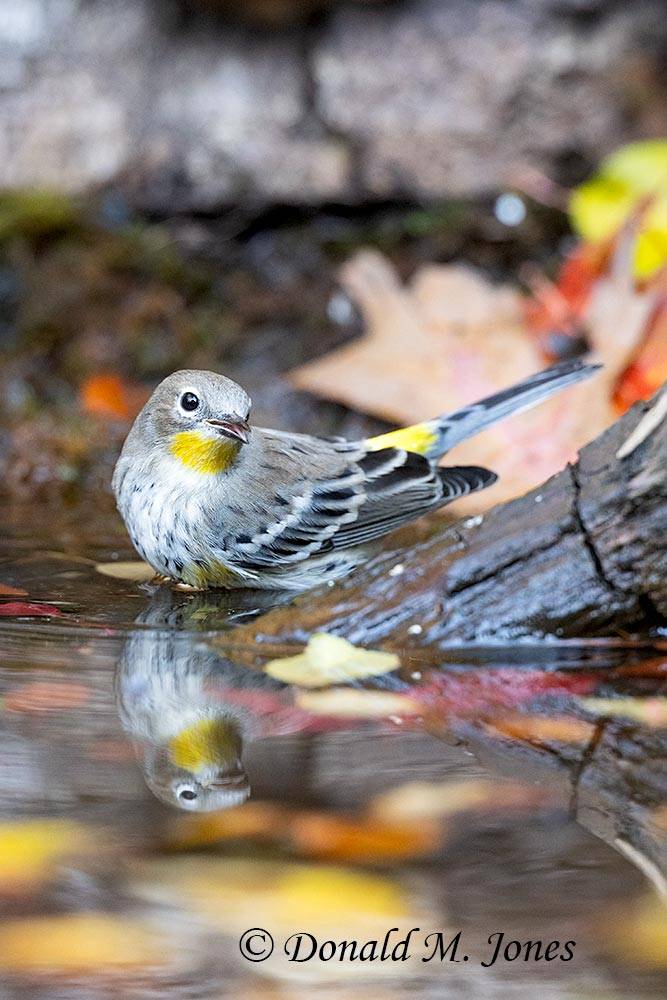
[[203, 744], [419, 439], [202, 453]]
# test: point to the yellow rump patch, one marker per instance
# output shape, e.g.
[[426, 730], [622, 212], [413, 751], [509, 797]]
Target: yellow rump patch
[[203, 744], [202, 453], [419, 439]]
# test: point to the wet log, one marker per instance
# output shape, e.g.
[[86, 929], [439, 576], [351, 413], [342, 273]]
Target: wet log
[[585, 554]]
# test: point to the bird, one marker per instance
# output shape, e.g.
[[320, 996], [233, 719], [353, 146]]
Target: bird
[[210, 501]]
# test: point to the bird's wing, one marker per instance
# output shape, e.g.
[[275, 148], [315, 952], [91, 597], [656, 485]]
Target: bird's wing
[[367, 495]]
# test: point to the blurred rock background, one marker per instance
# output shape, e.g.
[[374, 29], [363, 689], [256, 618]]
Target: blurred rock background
[[190, 106], [181, 180]]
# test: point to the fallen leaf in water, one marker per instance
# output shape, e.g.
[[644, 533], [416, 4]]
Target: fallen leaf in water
[[28, 609], [329, 902], [273, 894], [543, 729], [352, 703], [136, 572], [650, 712], [83, 942], [417, 801], [339, 838], [329, 659], [112, 397], [31, 849], [600, 206], [7, 591], [43, 697]]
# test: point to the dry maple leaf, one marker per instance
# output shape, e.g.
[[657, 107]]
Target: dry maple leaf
[[450, 337]]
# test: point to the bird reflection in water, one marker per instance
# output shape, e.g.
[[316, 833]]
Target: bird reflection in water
[[169, 693]]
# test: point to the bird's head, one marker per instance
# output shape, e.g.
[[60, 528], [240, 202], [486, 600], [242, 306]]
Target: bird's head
[[200, 418]]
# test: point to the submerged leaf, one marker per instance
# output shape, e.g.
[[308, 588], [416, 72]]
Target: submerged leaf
[[30, 849], [339, 838], [82, 942], [28, 609]]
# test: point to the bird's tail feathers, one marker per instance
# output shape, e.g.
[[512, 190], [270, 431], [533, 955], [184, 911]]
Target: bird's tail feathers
[[435, 438]]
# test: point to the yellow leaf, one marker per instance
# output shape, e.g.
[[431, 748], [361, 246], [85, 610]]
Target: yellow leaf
[[329, 659], [308, 891], [30, 849], [272, 894], [599, 207], [70, 943]]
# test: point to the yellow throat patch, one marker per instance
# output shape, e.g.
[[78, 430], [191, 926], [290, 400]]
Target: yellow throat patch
[[419, 439], [204, 744], [202, 453]]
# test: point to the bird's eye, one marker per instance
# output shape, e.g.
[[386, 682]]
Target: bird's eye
[[189, 402], [187, 794]]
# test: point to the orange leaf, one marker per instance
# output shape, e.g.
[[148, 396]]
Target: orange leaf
[[111, 397], [543, 729], [337, 838], [648, 370], [263, 820], [7, 591]]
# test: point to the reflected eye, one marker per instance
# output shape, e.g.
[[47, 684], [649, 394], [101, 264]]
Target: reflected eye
[[189, 402], [187, 794]]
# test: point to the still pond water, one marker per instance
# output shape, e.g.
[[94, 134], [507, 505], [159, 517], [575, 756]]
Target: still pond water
[[479, 792]]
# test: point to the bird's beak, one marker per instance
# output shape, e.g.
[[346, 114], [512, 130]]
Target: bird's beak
[[232, 426]]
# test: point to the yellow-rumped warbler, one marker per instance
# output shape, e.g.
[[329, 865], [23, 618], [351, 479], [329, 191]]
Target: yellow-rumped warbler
[[210, 502]]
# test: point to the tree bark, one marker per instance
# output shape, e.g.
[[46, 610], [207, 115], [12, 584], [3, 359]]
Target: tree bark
[[583, 555]]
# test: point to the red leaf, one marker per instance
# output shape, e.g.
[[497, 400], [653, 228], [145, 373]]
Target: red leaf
[[476, 690], [27, 609]]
